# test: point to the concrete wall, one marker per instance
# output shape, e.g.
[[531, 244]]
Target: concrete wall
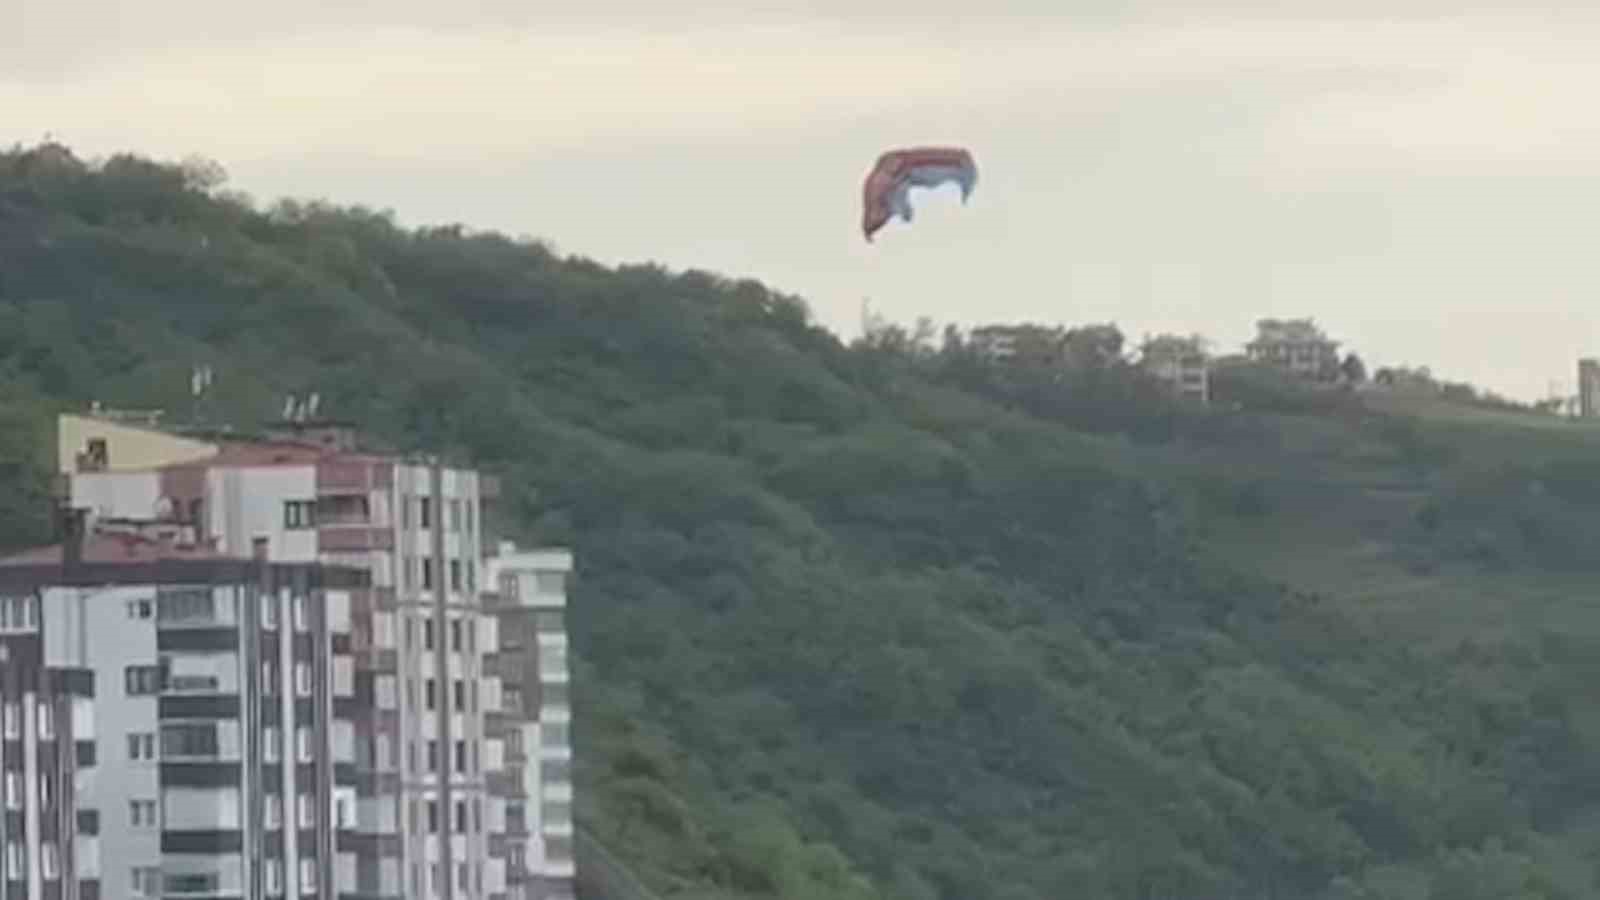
[[116, 640], [129, 447], [248, 502], [117, 494]]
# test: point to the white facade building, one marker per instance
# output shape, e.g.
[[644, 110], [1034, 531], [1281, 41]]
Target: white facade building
[[428, 728]]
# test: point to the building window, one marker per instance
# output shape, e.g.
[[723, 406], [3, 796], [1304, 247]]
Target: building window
[[50, 861], [460, 695], [302, 736], [461, 817], [429, 694], [190, 740], [138, 609], [274, 876], [308, 812], [47, 792], [455, 634], [461, 756], [299, 514], [301, 621], [142, 813], [13, 790], [427, 634], [554, 734], [454, 512], [425, 512], [47, 721], [186, 607], [455, 575], [18, 614], [411, 757], [433, 756], [269, 612], [554, 694], [433, 817], [427, 574], [141, 746], [269, 678], [308, 876], [269, 743], [302, 679], [557, 814], [142, 680], [274, 812]]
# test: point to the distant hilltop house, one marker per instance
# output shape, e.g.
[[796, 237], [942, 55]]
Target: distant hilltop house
[[1019, 343], [1048, 346], [1297, 346], [1181, 363]]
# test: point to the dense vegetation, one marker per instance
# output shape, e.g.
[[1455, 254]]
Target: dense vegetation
[[886, 620]]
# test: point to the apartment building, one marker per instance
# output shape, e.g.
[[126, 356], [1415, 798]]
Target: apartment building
[[177, 722], [431, 720], [1589, 388], [529, 597], [1181, 363]]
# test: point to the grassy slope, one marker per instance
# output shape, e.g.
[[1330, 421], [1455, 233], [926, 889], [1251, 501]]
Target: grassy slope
[[846, 630]]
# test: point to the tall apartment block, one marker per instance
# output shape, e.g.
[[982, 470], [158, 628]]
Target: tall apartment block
[[455, 780], [177, 723]]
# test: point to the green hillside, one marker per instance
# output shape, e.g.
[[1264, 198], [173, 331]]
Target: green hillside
[[886, 621]]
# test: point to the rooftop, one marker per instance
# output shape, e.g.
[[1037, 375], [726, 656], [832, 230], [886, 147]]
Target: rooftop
[[119, 548]]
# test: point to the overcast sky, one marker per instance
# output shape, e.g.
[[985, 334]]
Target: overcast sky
[[1421, 176]]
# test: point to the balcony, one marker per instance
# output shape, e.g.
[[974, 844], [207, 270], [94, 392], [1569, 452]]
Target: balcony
[[334, 510]]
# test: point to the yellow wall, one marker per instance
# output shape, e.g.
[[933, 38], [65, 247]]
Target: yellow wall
[[129, 447]]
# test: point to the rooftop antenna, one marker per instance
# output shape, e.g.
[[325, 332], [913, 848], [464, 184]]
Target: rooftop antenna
[[288, 407], [199, 383], [311, 407]]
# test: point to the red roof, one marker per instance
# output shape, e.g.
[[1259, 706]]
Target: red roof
[[273, 453], [118, 548], [268, 453]]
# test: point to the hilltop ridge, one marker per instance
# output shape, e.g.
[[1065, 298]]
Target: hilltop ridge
[[879, 621]]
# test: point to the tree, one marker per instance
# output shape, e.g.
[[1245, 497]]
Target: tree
[[1353, 369]]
